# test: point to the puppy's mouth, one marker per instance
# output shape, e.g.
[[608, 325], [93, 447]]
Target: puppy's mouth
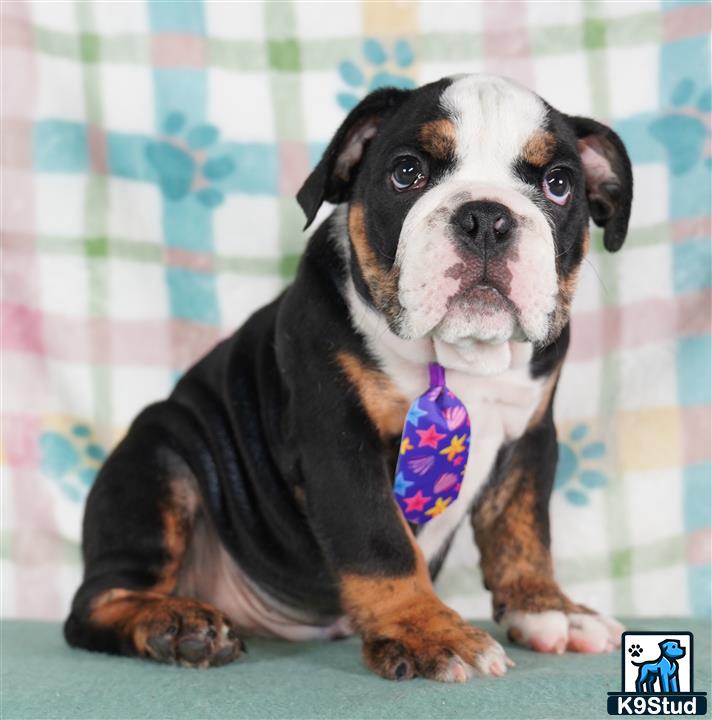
[[482, 297]]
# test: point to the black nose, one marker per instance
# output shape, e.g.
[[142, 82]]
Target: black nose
[[487, 225]]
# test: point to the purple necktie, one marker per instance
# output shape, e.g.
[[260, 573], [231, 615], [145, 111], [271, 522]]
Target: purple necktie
[[433, 452]]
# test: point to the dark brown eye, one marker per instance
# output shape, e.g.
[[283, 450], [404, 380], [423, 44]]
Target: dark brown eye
[[408, 174], [557, 185]]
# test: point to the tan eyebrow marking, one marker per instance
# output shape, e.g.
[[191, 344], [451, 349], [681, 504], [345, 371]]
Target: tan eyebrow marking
[[539, 148], [438, 138]]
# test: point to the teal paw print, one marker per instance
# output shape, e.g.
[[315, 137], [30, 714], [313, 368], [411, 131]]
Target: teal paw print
[[683, 131], [72, 460], [574, 476], [379, 71], [182, 165]]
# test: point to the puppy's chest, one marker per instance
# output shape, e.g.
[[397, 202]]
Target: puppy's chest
[[500, 408]]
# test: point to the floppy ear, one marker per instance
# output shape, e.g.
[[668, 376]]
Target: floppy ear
[[332, 177], [609, 178]]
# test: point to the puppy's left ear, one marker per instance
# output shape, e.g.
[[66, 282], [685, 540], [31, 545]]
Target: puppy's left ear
[[609, 178], [332, 177]]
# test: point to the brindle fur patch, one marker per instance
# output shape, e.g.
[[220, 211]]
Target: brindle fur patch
[[514, 549], [379, 396], [539, 148], [438, 138]]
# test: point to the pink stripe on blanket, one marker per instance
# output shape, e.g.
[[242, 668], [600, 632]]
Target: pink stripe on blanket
[[19, 436], [699, 547], [294, 163], [36, 552], [17, 79], [617, 328], [189, 259], [16, 143], [696, 434], [20, 283], [506, 42], [177, 50], [687, 21], [21, 328], [691, 228]]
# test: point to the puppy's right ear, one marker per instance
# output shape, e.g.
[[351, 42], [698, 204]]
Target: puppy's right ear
[[331, 179]]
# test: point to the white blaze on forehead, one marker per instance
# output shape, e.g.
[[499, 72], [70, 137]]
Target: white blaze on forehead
[[494, 117]]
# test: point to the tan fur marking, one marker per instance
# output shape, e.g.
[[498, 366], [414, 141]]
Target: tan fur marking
[[139, 615], [402, 620], [382, 283], [438, 138], [539, 148], [379, 397]]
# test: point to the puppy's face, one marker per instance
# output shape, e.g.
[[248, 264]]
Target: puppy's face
[[468, 207]]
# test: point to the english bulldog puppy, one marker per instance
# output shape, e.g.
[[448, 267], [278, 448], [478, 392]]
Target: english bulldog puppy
[[258, 498]]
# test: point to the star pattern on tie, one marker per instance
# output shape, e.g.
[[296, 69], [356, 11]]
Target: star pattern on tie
[[417, 502], [433, 452], [430, 437], [414, 414], [401, 485], [457, 445], [439, 507]]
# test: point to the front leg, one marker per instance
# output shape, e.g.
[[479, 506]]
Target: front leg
[[511, 523], [384, 584]]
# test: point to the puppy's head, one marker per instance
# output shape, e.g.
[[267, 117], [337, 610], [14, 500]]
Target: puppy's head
[[468, 203]]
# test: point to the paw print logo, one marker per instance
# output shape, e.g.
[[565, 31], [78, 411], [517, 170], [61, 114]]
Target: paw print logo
[[183, 164], [71, 460], [684, 130], [379, 70], [635, 650], [576, 473]]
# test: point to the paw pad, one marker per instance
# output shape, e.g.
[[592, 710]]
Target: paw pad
[[635, 651], [182, 163], [379, 70], [576, 473], [71, 459]]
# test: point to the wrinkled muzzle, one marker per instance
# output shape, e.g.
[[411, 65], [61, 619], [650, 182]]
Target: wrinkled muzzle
[[476, 262]]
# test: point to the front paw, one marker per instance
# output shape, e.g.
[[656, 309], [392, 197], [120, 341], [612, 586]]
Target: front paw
[[549, 622], [553, 631], [436, 644]]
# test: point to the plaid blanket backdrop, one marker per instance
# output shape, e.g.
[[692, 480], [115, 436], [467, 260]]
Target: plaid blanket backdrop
[[151, 152]]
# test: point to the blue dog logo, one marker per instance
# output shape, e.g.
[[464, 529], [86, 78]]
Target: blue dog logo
[[663, 671], [663, 686]]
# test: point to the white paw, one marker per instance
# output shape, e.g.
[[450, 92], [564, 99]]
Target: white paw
[[491, 662], [554, 632]]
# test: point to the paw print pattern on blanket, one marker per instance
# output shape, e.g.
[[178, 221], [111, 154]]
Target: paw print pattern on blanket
[[379, 71], [71, 460], [182, 162], [574, 475], [684, 130]]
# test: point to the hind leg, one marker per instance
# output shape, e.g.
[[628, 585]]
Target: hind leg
[[137, 526]]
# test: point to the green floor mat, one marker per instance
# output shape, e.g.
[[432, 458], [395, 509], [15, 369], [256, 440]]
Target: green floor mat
[[43, 678]]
